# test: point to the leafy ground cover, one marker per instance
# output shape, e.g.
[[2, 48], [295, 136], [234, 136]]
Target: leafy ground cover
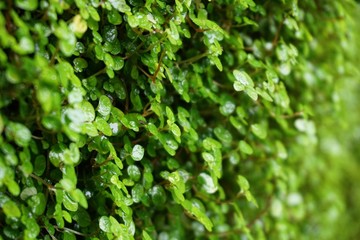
[[228, 119]]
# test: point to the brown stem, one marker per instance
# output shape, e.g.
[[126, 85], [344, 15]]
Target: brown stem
[[49, 186]]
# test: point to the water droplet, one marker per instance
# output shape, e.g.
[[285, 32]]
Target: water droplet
[[88, 194]]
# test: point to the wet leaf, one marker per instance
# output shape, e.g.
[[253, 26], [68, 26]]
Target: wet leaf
[[88, 111], [19, 133], [134, 173], [158, 195], [37, 203], [103, 126], [104, 106], [137, 192], [105, 224], [137, 152], [28, 192], [207, 183], [223, 134], [114, 17], [243, 79]]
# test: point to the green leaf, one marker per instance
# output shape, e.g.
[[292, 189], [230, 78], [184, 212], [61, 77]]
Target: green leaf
[[272, 76], [79, 27], [105, 224], [252, 93], [88, 111], [245, 147], [148, 177], [120, 5], [145, 236], [198, 213], [134, 172], [114, 17], [13, 187], [281, 96], [170, 115], [211, 144], [207, 183], [104, 106], [137, 152], [51, 122], [79, 196], [89, 129], [133, 21], [158, 195], [227, 108], [69, 203], [137, 192], [178, 185], [68, 184], [173, 34], [11, 209], [80, 64], [243, 78], [27, 192], [135, 99], [69, 236], [118, 64], [28, 5], [66, 215], [103, 126], [169, 144], [223, 134], [209, 158], [72, 155], [259, 130], [175, 130], [56, 154], [82, 217], [243, 183], [37, 203], [109, 62], [93, 13], [19, 133]]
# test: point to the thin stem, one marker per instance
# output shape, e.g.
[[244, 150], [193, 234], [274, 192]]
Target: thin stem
[[49, 186], [72, 231], [193, 59]]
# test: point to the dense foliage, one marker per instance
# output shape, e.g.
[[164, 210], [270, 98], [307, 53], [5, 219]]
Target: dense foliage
[[178, 119]]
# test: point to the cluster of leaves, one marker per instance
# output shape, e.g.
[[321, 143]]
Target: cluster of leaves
[[149, 119]]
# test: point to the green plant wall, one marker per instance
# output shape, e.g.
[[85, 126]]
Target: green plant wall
[[182, 119]]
